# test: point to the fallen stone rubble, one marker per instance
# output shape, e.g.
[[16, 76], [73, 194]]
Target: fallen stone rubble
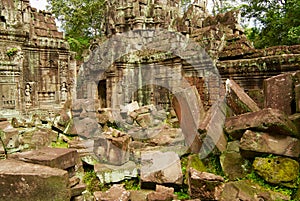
[[142, 154]]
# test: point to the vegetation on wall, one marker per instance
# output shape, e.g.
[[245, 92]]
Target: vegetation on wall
[[12, 52], [272, 22]]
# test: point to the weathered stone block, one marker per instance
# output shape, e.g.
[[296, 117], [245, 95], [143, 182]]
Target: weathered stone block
[[24, 181], [112, 147], [238, 100], [78, 189], [105, 115], [162, 193], [144, 109], [38, 138], [278, 92], [211, 129], [257, 143], [161, 168], [144, 120], [267, 120], [165, 136], [139, 195], [9, 134], [115, 193], [232, 162], [86, 127], [190, 112], [278, 170], [196, 163], [247, 190], [52, 157], [205, 186], [295, 118]]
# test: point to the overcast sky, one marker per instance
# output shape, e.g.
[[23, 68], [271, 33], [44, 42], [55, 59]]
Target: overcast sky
[[39, 4]]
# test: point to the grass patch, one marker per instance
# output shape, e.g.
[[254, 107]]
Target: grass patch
[[59, 144], [182, 194], [213, 165], [132, 184], [255, 178], [93, 183]]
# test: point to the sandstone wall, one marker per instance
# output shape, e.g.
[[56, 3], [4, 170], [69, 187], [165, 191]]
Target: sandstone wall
[[37, 68], [222, 37]]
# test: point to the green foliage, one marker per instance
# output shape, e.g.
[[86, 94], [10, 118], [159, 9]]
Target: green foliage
[[196, 163], [78, 45], [212, 162], [82, 20], [184, 163], [278, 22], [222, 6], [182, 194], [93, 183], [254, 177], [12, 52], [59, 144], [79, 17], [132, 184]]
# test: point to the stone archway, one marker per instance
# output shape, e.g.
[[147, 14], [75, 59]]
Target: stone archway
[[105, 60], [104, 57]]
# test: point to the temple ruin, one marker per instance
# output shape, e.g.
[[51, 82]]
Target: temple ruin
[[37, 69], [152, 114], [132, 29]]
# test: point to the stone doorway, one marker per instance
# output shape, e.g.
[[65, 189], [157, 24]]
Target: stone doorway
[[102, 93]]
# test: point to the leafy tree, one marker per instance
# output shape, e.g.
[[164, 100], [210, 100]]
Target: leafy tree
[[222, 6], [278, 22], [81, 20]]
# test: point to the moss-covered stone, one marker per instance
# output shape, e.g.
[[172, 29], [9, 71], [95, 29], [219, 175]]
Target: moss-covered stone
[[247, 190], [25, 181], [278, 170], [195, 162], [297, 194], [233, 164]]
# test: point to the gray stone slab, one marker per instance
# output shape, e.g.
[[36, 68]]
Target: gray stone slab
[[112, 174]]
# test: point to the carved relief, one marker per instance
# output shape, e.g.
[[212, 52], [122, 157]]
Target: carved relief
[[64, 92], [27, 93]]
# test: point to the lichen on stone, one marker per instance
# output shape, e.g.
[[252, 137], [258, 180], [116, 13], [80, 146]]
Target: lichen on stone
[[278, 170]]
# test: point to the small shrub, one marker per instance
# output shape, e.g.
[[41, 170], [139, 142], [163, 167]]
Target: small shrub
[[132, 184], [12, 52], [92, 182]]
